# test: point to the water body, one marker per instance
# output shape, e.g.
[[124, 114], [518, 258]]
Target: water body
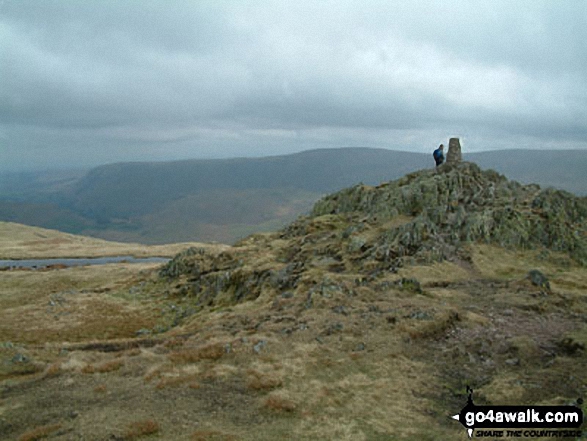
[[44, 263]]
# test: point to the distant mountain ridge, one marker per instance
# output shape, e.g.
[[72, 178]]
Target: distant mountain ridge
[[561, 169], [123, 189], [226, 199]]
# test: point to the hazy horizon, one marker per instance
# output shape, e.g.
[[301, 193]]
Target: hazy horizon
[[84, 168], [91, 83], [72, 168]]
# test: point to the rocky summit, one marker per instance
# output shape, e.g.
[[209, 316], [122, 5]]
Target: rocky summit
[[425, 217]]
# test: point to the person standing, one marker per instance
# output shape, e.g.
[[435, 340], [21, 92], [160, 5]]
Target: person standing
[[439, 155]]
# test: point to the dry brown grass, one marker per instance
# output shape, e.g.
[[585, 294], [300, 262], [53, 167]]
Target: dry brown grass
[[100, 389], [180, 380], [212, 351], [24, 242], [107, 366], [53, 369], [305, 383], [152, 373], [141, 428], [133, 352], [279, 402], [496, 262], [174, 343], [437, 272], [257, 380], [39, 432], [212, 435], [436, 326], [76, 304]]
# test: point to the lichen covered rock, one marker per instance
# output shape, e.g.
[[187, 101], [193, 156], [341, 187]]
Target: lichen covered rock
[[361, 233], [460, 203]]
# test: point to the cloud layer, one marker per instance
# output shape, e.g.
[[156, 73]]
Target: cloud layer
[[91, 82]]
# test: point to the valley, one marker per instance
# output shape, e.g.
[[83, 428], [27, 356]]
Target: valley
[[226, 200]]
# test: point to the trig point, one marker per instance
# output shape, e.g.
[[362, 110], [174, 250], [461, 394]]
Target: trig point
[[454, 154]]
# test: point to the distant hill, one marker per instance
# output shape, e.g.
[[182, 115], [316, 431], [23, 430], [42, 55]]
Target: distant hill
[[226, 199], [134, 189], [562, 169], [40, 185]]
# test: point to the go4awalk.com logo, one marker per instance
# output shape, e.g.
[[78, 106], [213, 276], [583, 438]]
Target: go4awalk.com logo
[[520, 421]]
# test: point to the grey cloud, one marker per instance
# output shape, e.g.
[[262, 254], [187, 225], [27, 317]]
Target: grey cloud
[[214, 78]]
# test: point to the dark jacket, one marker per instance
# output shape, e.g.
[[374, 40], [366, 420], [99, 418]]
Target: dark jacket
[[438, 156]]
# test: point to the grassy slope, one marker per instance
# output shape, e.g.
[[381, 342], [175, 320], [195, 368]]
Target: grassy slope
[[22, 242], [352, 361], [46, 215], [220, 215]]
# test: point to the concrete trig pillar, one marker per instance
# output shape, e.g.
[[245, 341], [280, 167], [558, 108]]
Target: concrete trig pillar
[[454, 154]]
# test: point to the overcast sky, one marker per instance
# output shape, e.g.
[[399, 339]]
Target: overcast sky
[[90, 82]]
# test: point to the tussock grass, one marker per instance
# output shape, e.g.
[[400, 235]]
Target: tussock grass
[[179, 380], [258, 380], [212, 435], [40, 307], [107, 366], [434, 327], [39, 432], [212, 351], [100, 389], [447, 272], [142, 428], [495, 262], [280, 402], [53, 370]]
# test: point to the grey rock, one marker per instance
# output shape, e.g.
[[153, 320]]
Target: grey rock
[[258, 347], [336, 327], [357, 243], [420, 315], [309, 302], [410, 284], [513, 361], [538, 279], [20, 358]]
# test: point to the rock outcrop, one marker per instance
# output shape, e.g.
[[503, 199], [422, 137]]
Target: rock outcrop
[[461, 204], [424, 217]]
